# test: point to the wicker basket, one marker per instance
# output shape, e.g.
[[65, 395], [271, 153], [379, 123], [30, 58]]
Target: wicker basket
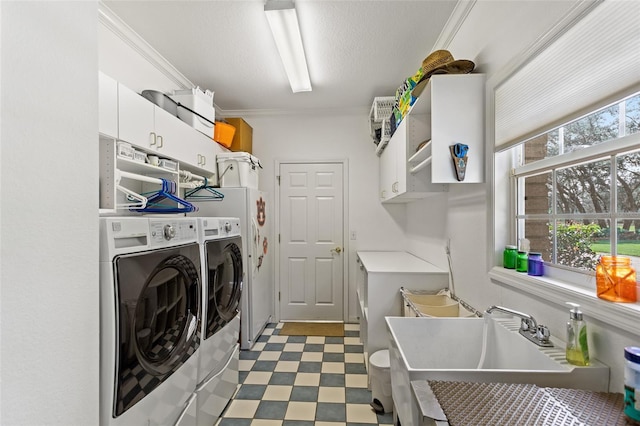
[[379, 124]]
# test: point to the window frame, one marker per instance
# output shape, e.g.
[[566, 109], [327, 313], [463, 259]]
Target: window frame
[[560, 283], [608, 150]]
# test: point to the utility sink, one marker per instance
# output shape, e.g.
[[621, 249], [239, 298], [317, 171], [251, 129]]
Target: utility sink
[[451, 349]]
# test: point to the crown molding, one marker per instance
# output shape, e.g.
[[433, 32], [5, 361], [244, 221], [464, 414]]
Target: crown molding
[[453, 24], [116, 25], [359, 111]]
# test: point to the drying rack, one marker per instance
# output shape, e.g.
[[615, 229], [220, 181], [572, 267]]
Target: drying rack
[[140, 202]]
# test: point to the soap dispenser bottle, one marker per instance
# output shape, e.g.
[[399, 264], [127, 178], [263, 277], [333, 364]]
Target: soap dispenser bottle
[[577, 348]]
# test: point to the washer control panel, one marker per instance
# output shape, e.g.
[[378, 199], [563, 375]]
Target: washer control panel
[[172, 231], [229, 226]]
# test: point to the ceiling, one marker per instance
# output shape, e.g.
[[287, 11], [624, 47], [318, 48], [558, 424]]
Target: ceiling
[[356, 49]]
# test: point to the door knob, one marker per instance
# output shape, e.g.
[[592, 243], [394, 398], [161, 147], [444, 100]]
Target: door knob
[[337, 250]]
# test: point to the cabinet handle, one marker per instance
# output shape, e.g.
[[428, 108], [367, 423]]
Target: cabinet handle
[[154, 139], [160, 141], [204, 160], [382, 194], [394, 187]]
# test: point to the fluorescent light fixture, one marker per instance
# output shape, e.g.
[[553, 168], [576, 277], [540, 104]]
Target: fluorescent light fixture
[[283, 21]]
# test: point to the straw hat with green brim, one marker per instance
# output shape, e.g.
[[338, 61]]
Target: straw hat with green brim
[[441, 62]]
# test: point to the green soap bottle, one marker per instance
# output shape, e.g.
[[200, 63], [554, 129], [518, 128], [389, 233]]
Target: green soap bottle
[[577, 347]]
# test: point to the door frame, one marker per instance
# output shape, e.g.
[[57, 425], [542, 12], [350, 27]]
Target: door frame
[[345, 231]]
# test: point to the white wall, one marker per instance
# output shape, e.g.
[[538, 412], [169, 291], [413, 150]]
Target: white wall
[[49, 247], [331, 137]]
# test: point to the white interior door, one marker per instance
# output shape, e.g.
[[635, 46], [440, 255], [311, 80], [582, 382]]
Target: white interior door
[[311, 234]]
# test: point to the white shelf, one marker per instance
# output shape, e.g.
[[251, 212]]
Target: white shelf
[[420, 166], [422, 154], [381, 146], [128, 165]]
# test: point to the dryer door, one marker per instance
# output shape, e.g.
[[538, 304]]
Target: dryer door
[[159, 295], [225, 284]]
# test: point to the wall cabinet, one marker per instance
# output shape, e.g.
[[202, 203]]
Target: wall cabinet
[[454, 105], [397, 182], [417, 162], [154, 130], [379, 278], [126, 116]]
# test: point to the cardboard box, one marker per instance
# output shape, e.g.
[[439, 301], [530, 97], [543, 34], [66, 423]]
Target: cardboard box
[[243, 138]]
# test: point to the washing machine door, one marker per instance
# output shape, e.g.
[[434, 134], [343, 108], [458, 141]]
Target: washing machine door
[[224, 286], [159, 294]]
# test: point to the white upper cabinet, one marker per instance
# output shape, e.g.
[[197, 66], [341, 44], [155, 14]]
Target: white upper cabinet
[[136, 119], [108, 106], [417, 161], [397, 182], [454, 105], [154, 130], [388, 172]]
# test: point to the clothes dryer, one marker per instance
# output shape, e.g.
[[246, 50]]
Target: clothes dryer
[[150, 289], [221, 253]]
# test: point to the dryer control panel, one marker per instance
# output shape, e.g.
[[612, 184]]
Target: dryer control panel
[[166, 232]]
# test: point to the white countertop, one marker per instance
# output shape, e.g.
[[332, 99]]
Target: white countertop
[[396, 262]]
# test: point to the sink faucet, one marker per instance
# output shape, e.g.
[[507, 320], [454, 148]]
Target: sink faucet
[[529, 328]]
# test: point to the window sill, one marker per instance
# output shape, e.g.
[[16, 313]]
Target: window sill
[[624, 316]]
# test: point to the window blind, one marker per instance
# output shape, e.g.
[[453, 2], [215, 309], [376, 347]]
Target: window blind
[[592, 64]]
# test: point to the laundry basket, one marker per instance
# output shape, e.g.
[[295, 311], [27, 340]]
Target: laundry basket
[[421, 304], [435, 305]]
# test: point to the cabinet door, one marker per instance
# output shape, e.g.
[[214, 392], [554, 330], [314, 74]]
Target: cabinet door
[[107, 106], [135, 119], [457, 106], [174, 138], [400, 153], [178, 140], [388, 170], [205, 152]]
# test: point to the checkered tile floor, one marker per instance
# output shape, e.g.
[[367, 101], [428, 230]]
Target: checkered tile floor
[[300, 380]]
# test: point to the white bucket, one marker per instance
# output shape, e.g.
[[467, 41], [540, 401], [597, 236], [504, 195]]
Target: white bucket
[[238, 169]]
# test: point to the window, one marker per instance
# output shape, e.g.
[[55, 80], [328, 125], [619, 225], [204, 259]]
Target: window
[[566, 162], [577, 188]]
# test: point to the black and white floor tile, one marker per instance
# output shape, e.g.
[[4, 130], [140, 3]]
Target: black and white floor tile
[[303, 380]]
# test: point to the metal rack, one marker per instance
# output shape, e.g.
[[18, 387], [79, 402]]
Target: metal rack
[[407, 302]]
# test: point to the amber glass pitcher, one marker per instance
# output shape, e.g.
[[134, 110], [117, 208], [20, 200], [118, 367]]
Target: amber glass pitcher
[[616, 279]]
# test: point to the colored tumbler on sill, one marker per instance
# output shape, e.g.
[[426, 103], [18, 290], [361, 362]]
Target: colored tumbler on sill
[[535, 267], [509, 257], [521, 261], [616, 279]]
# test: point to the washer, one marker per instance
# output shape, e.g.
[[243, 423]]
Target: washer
[[150, 289], [221, 253]]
